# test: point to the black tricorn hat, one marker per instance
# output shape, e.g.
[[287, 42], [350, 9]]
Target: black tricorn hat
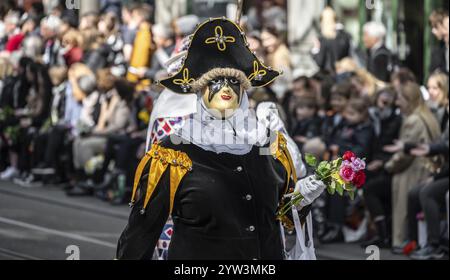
[[219, 46]]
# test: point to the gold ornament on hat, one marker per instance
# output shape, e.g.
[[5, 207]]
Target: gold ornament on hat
[[186, 82], [219, 39], [257, 74]]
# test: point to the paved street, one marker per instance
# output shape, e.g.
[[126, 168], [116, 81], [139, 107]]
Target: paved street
[[40, 223]]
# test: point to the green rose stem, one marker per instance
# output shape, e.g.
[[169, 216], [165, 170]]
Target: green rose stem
[[323, 172], [295, 200]]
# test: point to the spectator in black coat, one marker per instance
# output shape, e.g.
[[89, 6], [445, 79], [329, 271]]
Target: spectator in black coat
[[377, 191], [379, 58], [333, 43]]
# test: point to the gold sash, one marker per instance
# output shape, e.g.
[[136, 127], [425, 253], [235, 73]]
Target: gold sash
[[161, 158], [281, 153]]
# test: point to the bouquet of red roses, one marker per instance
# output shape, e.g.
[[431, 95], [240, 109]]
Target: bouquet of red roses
[[342, 174]]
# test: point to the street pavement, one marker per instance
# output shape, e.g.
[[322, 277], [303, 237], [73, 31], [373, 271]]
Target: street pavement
[[41, 223], [44, 223]]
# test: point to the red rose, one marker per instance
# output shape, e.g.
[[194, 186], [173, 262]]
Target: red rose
[[359, 179], [348, 156]]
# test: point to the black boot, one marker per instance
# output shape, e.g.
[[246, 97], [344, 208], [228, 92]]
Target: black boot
[[380, 239]]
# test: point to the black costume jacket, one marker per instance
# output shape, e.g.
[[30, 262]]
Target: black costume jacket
[[224, 208]]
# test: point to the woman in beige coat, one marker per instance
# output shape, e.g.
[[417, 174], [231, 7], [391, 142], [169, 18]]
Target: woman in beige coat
[[419, 126]]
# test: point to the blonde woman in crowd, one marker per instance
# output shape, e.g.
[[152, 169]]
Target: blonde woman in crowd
[[419, 126], [72, 43], [438, 102]]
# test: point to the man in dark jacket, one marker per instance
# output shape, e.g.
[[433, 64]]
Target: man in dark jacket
[[379, 58]]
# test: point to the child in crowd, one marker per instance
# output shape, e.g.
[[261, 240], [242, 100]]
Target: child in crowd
[[357, 132], [354, 134], [307, 123], [332, 125]]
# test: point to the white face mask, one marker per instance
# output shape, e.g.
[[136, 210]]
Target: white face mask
[[223, 97]]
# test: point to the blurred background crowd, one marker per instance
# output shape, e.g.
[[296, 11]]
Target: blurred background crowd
[[77, 87]]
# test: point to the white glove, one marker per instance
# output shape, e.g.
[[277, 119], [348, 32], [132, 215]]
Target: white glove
[[310, 188]]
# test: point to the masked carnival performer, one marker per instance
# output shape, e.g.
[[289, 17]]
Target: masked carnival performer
[[223, 173]]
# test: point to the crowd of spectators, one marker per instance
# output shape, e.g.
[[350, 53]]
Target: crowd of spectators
[[76, 96]]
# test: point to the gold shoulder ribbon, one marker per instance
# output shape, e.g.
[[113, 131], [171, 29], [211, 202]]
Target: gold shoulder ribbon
[[161, 158], [280, 152]]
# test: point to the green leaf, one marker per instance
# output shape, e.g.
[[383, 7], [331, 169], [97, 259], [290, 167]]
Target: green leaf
[[323, 168], [311, 160], [339, 189], [333, 185], [331, 190], [351, 194]]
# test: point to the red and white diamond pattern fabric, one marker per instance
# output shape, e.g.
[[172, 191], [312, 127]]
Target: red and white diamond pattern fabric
[[164, 127]]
